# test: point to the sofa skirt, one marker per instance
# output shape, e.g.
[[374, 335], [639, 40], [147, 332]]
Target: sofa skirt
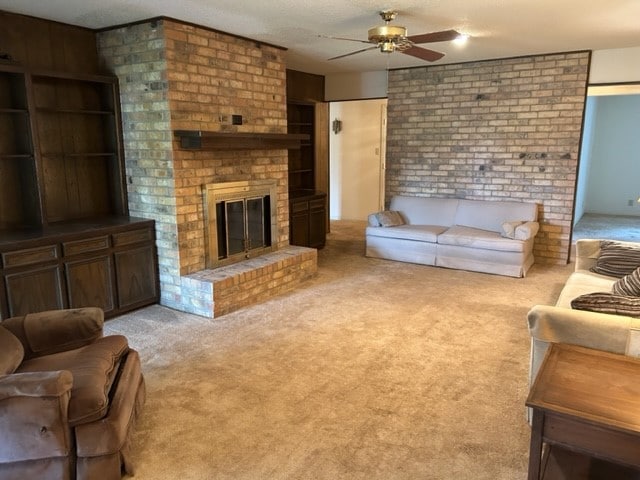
[[512, 264], [402, 250]]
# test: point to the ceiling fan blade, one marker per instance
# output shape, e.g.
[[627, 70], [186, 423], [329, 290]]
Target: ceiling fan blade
[[343, 38], [443, 36], [423, 53], [353, 53]]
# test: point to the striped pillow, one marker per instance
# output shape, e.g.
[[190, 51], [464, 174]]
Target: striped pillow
[[629, 284], [617, 259], [605, 302]]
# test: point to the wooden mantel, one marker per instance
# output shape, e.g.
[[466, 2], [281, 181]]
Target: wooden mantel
[[199, 140]]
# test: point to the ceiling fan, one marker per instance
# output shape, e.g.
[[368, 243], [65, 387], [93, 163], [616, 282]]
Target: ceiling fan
[[391, 38]]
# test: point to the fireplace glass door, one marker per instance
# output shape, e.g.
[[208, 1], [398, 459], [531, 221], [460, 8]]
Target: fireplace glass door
[[243, 226]]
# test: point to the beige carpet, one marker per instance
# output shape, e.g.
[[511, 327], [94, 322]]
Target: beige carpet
[[372, 370]]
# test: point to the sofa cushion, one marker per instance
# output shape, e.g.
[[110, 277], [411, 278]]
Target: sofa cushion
[[582, 282], [628, 285], [607, 302], [11, 352], [389, 218], [425, 210], [617, 259], [94, 368], [490, 215], [480, 239], [420, 233]]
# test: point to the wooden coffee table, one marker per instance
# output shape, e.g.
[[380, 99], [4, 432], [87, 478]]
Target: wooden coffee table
[[587, 401]]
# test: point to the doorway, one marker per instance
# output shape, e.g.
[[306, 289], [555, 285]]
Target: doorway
[[608, 189], [357, 158]]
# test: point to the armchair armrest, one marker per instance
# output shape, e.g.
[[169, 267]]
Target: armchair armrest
[[33, 415], [54, 331]]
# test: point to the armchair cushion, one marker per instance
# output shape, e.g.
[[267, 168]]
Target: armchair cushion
[[94, 368], [11, 352], [55, 331]]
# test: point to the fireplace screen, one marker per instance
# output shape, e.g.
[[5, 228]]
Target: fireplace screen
[[240, 220], [243, 225]]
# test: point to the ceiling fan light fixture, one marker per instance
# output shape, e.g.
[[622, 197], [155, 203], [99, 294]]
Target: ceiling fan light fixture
[[461, 39], [386, 33], [393, 38], [387, 47]]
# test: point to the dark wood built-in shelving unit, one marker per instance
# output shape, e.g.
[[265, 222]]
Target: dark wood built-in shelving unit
[[307, 114], [66, 239]]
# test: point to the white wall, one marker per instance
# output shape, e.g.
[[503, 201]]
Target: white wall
[[614, 176], [353, 86], [355, 158], [585, 157], [615, 65]]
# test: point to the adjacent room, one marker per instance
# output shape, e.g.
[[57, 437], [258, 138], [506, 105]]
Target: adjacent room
[[338, 240]]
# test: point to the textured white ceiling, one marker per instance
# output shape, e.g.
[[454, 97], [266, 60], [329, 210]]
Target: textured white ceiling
[[497, 28]]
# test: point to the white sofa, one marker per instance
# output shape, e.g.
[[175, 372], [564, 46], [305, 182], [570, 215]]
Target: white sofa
[[457, 233], [561, 324]]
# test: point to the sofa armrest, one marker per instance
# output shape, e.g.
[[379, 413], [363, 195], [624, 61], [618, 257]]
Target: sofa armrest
[[601, 331], [587, 251], [33, 415], [373, 220], [54, 331], [526, 230]]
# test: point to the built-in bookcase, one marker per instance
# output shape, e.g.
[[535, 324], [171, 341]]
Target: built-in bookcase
[[60, 151], [19, 206]]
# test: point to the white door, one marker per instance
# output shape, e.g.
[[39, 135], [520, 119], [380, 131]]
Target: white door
[[356, 158]]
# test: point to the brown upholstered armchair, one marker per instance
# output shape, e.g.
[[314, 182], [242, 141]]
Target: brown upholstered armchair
[[69, 397]]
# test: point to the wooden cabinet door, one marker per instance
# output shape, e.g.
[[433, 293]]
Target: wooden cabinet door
[[90, 283], [34, 290], [299, 223], [136, 276], [317, 230]]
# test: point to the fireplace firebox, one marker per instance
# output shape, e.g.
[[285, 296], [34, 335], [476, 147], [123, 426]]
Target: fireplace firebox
[[241, 220]]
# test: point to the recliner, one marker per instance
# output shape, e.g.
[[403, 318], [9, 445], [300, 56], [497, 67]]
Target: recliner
[[69, 397]]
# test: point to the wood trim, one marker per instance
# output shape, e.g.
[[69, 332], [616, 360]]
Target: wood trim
[[199, 140]]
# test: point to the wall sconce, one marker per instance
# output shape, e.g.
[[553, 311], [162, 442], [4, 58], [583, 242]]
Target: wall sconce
[[336, 126]]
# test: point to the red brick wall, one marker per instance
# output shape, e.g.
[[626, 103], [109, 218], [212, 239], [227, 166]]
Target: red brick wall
[[211, 76], [176, 76], [492, 130]]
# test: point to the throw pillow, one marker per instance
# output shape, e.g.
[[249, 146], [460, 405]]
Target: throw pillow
[[629, 284], [509, 229], [616, 259], [606, 302], [11, 352], [389, 218]]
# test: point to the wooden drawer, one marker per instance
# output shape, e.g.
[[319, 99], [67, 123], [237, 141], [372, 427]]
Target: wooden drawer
[[297, 207], [86, 245], [29, 256], [317, 204], [135, 236]]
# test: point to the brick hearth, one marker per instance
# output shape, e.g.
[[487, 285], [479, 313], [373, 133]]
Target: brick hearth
[[225, 289]]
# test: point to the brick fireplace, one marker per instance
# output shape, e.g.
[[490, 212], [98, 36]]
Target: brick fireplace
[[176, 76]]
